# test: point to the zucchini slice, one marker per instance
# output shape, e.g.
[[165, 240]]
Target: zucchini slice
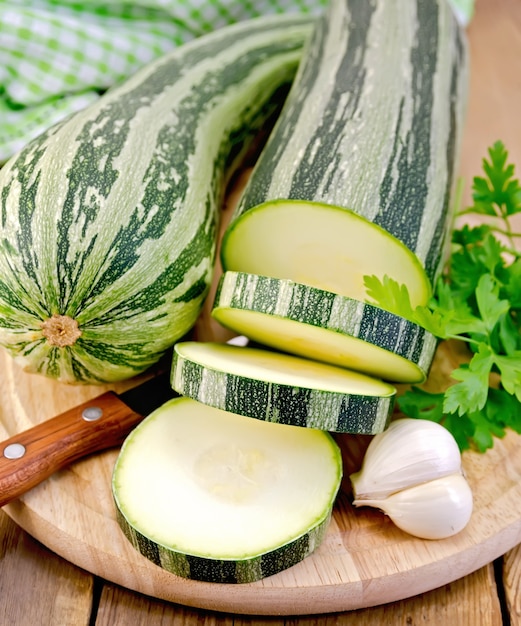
[[357, 175], [324, 246], [324, 326], [277, 387], [217, 497]]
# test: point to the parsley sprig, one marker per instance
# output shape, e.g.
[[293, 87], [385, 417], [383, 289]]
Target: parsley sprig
[[477, 300]]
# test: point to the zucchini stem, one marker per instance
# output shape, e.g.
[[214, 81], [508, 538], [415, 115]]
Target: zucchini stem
[[61, 330]]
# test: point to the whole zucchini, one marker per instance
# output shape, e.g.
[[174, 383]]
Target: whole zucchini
[[108, 220], [356, 177]]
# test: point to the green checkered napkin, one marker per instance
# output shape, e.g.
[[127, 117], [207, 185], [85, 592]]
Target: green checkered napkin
[[56, 56]]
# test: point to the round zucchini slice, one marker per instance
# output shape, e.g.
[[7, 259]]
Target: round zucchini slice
[[213, 496], [324, 326], [283, 388]]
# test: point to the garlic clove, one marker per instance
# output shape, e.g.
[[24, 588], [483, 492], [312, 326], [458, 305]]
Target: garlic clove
[[437, 509], [410, 452]]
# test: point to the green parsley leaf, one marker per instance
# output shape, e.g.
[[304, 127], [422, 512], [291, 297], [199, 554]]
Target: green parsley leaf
[[477, 252], [419, 403], [499, 193], [470, 394], [508, 336], [476, 300], [462, 428], [504, 409], [484, 430], [390, 295], [512, 284], [510, 370], [490, 306]]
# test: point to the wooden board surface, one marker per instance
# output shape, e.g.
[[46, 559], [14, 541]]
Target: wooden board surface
[[364, 560]]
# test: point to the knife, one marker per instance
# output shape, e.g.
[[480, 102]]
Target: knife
[[33, 455]]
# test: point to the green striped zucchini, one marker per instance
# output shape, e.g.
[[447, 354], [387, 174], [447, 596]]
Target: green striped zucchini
[[217, 497], [282, 388], [356, 177], [108, 221], [325, 326]]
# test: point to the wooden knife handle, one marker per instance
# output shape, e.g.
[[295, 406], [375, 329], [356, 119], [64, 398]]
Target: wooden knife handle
[[33, 455]]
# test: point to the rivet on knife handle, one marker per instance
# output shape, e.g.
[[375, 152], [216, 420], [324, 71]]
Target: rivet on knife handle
[[32, 456]]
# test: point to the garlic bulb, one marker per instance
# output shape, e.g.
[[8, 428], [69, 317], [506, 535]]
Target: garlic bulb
[[434, 510], [413, 473], [409, 452]]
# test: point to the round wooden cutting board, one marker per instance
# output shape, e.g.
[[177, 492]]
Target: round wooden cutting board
[[365, 560]]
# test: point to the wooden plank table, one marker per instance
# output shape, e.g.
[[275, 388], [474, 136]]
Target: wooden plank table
[[39, 587]]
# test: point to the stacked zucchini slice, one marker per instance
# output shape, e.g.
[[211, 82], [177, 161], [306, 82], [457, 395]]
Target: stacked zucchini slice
[[355, 181]]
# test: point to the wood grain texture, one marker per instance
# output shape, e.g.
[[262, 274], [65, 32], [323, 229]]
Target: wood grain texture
[[37, 587], [512, 584], [471, 600], [365, 560], [468, 601]]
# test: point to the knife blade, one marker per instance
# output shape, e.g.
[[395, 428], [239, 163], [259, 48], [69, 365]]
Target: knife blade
[[28, 458]]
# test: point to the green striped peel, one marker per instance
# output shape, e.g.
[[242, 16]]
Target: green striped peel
[[319, 324], [372, 125], [244, 570], [108, 219], [266, 396]]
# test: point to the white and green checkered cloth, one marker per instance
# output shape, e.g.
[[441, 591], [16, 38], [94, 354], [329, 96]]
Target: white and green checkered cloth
[[56, 56]]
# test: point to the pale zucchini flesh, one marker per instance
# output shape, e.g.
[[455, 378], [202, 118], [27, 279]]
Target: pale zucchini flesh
[[324, 246], [324, 326], [214, 496], [277, 387]]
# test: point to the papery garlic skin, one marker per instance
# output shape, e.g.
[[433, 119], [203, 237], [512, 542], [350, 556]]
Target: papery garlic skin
[[410, 452], [438, 509]]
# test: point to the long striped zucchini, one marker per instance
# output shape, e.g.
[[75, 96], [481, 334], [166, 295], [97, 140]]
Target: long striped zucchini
[[108, 219], [213, 496], [356, 177], [325, 326], [282, 388]]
